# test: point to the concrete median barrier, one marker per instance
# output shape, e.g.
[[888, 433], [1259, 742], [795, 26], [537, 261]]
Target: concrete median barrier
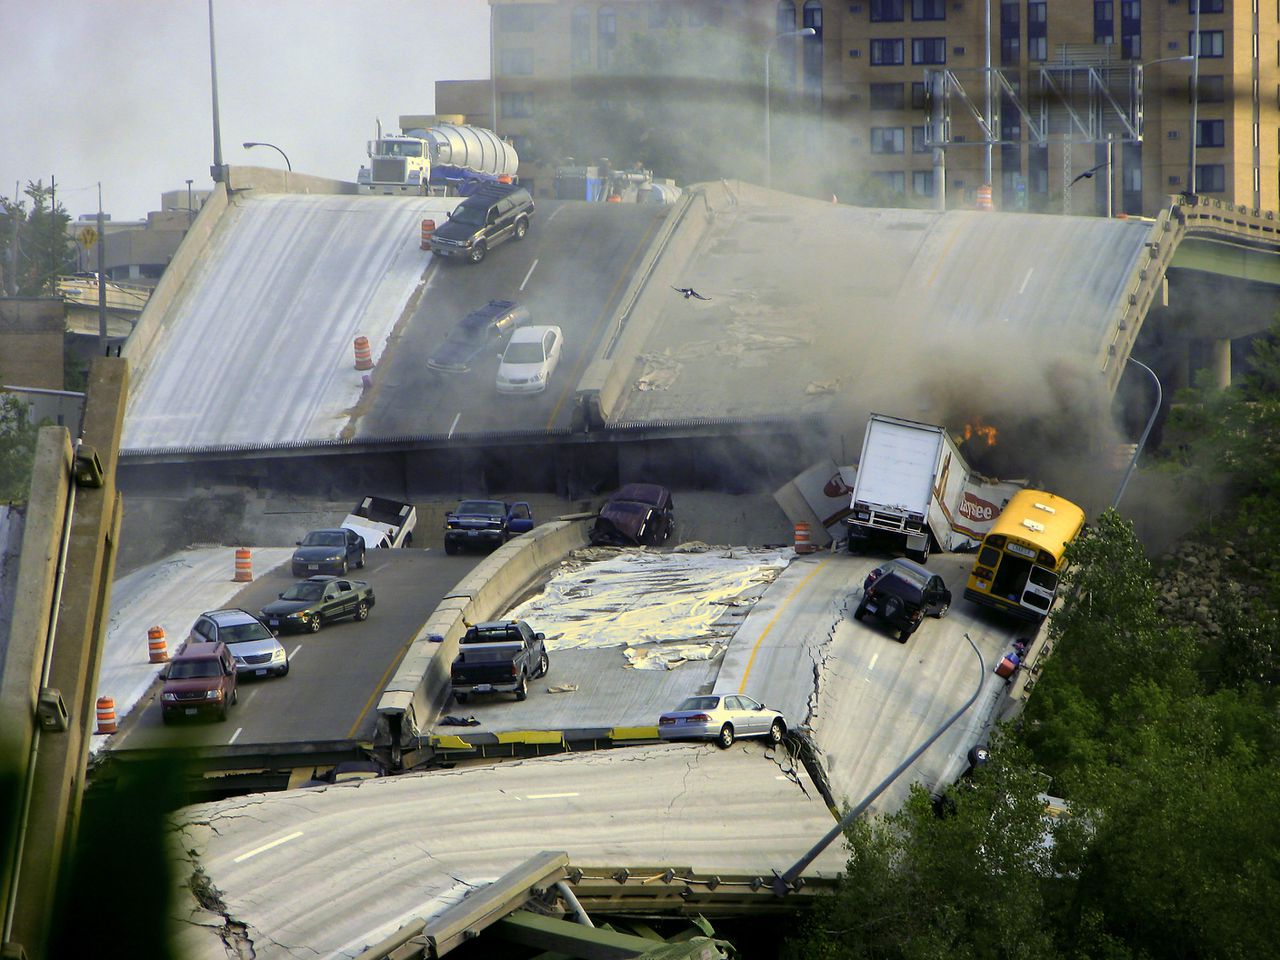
[[420, 687]]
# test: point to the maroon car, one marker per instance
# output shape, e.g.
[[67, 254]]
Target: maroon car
[[199, 680], [637, 515]]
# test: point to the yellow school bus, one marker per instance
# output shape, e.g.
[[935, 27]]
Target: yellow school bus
[[1021, 556]]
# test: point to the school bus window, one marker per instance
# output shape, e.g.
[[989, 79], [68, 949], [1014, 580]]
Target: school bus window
[[988, 556]]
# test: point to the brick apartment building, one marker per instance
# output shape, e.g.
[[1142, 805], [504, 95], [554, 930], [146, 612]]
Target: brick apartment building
[[855, 92]]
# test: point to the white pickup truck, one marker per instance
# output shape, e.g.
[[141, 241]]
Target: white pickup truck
[[383, 523]]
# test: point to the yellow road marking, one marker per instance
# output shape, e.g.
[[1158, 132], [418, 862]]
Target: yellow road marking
[[742, 687], [377, 691]]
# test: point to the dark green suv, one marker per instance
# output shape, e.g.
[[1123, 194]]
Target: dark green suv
[[901, 593], [489, 216]]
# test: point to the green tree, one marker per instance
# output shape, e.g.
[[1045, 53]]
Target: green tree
[[17, 449], [972, 883], [43, 248]]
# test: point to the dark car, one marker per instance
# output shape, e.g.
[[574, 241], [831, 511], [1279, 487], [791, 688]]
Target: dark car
[[254, 648], [900, 593], [493, 214], [637, 515], [311, 603], [328, 551], [479, 331], [485, 524], [200, 679]]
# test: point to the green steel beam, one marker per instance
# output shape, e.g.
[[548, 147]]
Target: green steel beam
[[1228, 260]]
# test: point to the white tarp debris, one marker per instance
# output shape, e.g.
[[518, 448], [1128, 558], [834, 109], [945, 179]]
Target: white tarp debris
[[662, 608]]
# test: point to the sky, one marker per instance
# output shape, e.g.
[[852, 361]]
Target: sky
[[117, 92]]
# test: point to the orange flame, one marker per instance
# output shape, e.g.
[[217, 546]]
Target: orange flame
[[980, 429]]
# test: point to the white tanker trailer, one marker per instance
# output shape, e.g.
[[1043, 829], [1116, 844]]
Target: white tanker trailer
[[436, 159]]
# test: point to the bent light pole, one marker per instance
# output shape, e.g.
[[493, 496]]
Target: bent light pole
[[259, 143], [1142, 441], [784, 883], [768, 133]]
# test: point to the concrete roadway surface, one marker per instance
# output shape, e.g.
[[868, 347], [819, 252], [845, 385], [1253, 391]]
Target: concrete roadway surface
[[569, 270], [330, 870], [335, 676], [868, 700], [818, 308]]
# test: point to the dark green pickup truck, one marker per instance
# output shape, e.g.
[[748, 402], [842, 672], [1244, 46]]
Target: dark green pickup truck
[[501, 656]]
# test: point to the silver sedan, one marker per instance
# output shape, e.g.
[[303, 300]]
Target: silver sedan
[[722, 719]]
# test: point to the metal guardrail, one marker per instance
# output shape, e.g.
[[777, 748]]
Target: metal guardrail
[[1184, 216]]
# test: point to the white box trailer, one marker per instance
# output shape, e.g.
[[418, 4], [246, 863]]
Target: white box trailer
[[909, 487]]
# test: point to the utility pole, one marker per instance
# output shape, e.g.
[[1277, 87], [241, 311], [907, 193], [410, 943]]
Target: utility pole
[[102, 278], [217, 170]]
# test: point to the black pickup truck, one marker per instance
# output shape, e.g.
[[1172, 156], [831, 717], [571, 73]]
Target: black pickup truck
[[500, 656], [485, 523]]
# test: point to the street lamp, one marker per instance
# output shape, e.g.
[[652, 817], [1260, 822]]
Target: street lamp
[[256, 143], [1142, 441], [784, 883], [768, 133]]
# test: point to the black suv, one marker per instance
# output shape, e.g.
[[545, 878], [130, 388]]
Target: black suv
[[900, 593], [483, 220]]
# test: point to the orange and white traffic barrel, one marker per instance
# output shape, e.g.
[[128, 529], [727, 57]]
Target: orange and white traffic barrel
[[244, 565], [428, 230], [364, 356], [804, 543], [984, 197], [106, 715], [157, 647]]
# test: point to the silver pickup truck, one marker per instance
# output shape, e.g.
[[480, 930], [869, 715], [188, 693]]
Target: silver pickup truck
[[500, 656]]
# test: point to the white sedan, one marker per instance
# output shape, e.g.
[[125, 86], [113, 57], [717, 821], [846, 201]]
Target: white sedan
[[723, 719], [530, 359]]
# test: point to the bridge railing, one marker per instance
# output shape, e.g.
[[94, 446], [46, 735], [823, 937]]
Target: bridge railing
[[1185, 215]]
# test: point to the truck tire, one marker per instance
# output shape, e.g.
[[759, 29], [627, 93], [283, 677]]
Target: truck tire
[[522, 691], [460, 696], [861, 612], [478, 251], [360, 562], [544, 664], [522, 227], [450, 547], [408, 539]]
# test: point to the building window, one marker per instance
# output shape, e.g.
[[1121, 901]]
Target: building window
[[1131, 29], [663, 14], [895, 180], [516, 63], [1104, 21], [811, 50], [919, 95], [886, 11], [579, 37], [928, 10], [922, 183], [516, 104], [1210, 43], [887, 96], [1210, 133], [929, 50], [516, 18], [1206, 6], [1010, 33], [1037, 30], [606, 37], [886, 53], [886, 139], [920, 140], [1211, 178], [1213, 89]]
